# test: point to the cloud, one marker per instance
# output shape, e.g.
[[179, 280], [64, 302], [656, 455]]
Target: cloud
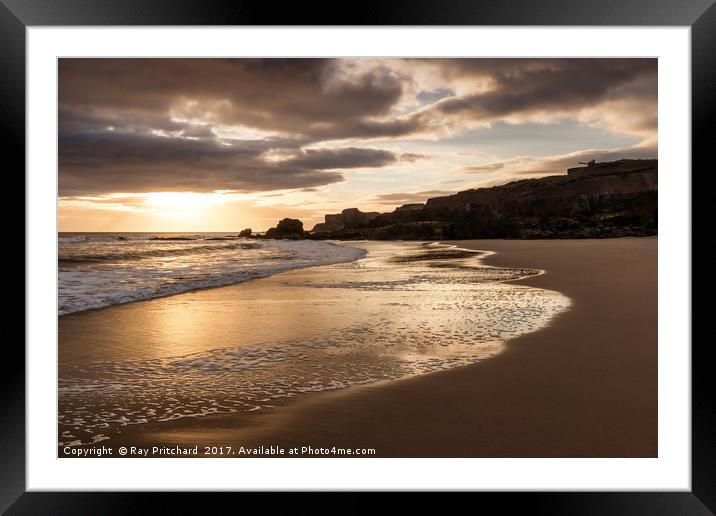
[[412, 157], [315, 97], [138, 162], [250, 125], [342, 158], [519, 90], [429, 97], [400, 198], [323, 99], [479, 169]]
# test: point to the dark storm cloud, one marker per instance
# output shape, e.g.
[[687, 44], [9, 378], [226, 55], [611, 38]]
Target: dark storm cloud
[[319, 99], [350, 157], [300, 96], [527, 69], [137, 125], [527, 86], [133, 162]]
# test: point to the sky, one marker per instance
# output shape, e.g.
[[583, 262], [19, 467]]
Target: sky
[[225, 144]]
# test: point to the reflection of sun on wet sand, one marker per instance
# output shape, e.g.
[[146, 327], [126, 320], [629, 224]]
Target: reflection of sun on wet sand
[[585, 385], [405, 310]]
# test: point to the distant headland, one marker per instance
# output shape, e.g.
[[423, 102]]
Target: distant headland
[[597, 200]]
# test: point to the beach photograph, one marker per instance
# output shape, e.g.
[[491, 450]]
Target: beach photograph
[[357, 257]]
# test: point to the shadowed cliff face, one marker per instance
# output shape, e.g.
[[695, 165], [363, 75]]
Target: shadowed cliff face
[[600, 200]]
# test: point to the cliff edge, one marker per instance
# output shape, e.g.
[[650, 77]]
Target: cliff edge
[[598, 200]]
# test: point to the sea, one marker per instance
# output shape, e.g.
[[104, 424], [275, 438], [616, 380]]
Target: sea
[[134, 357], [96, 270]]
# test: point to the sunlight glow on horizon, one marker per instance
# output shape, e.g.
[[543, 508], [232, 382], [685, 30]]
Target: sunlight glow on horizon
[[167, 212]]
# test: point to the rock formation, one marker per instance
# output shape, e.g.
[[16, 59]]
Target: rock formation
[[287, 228], [599, 200], [348, 219], [410, 207], [245, 232]]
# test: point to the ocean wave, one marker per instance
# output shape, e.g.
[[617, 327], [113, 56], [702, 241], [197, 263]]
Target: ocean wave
[[104, 255], [104, 273], [178, 238], [71, 240]]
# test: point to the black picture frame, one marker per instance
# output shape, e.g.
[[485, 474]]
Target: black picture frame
[[17, 15]]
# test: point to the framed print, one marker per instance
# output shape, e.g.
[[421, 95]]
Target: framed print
[[422, 249]]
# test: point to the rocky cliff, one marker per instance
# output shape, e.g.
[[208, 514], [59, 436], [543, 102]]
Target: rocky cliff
[[599, 200]]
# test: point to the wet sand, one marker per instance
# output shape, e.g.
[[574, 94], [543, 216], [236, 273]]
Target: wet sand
[[583, 386]]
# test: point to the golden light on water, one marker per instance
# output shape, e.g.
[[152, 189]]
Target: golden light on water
[[202, 353]]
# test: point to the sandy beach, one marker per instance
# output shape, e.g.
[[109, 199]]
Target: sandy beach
[[585, 385]]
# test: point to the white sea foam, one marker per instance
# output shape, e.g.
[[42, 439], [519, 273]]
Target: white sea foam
[[102, 270], [403, 310]]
